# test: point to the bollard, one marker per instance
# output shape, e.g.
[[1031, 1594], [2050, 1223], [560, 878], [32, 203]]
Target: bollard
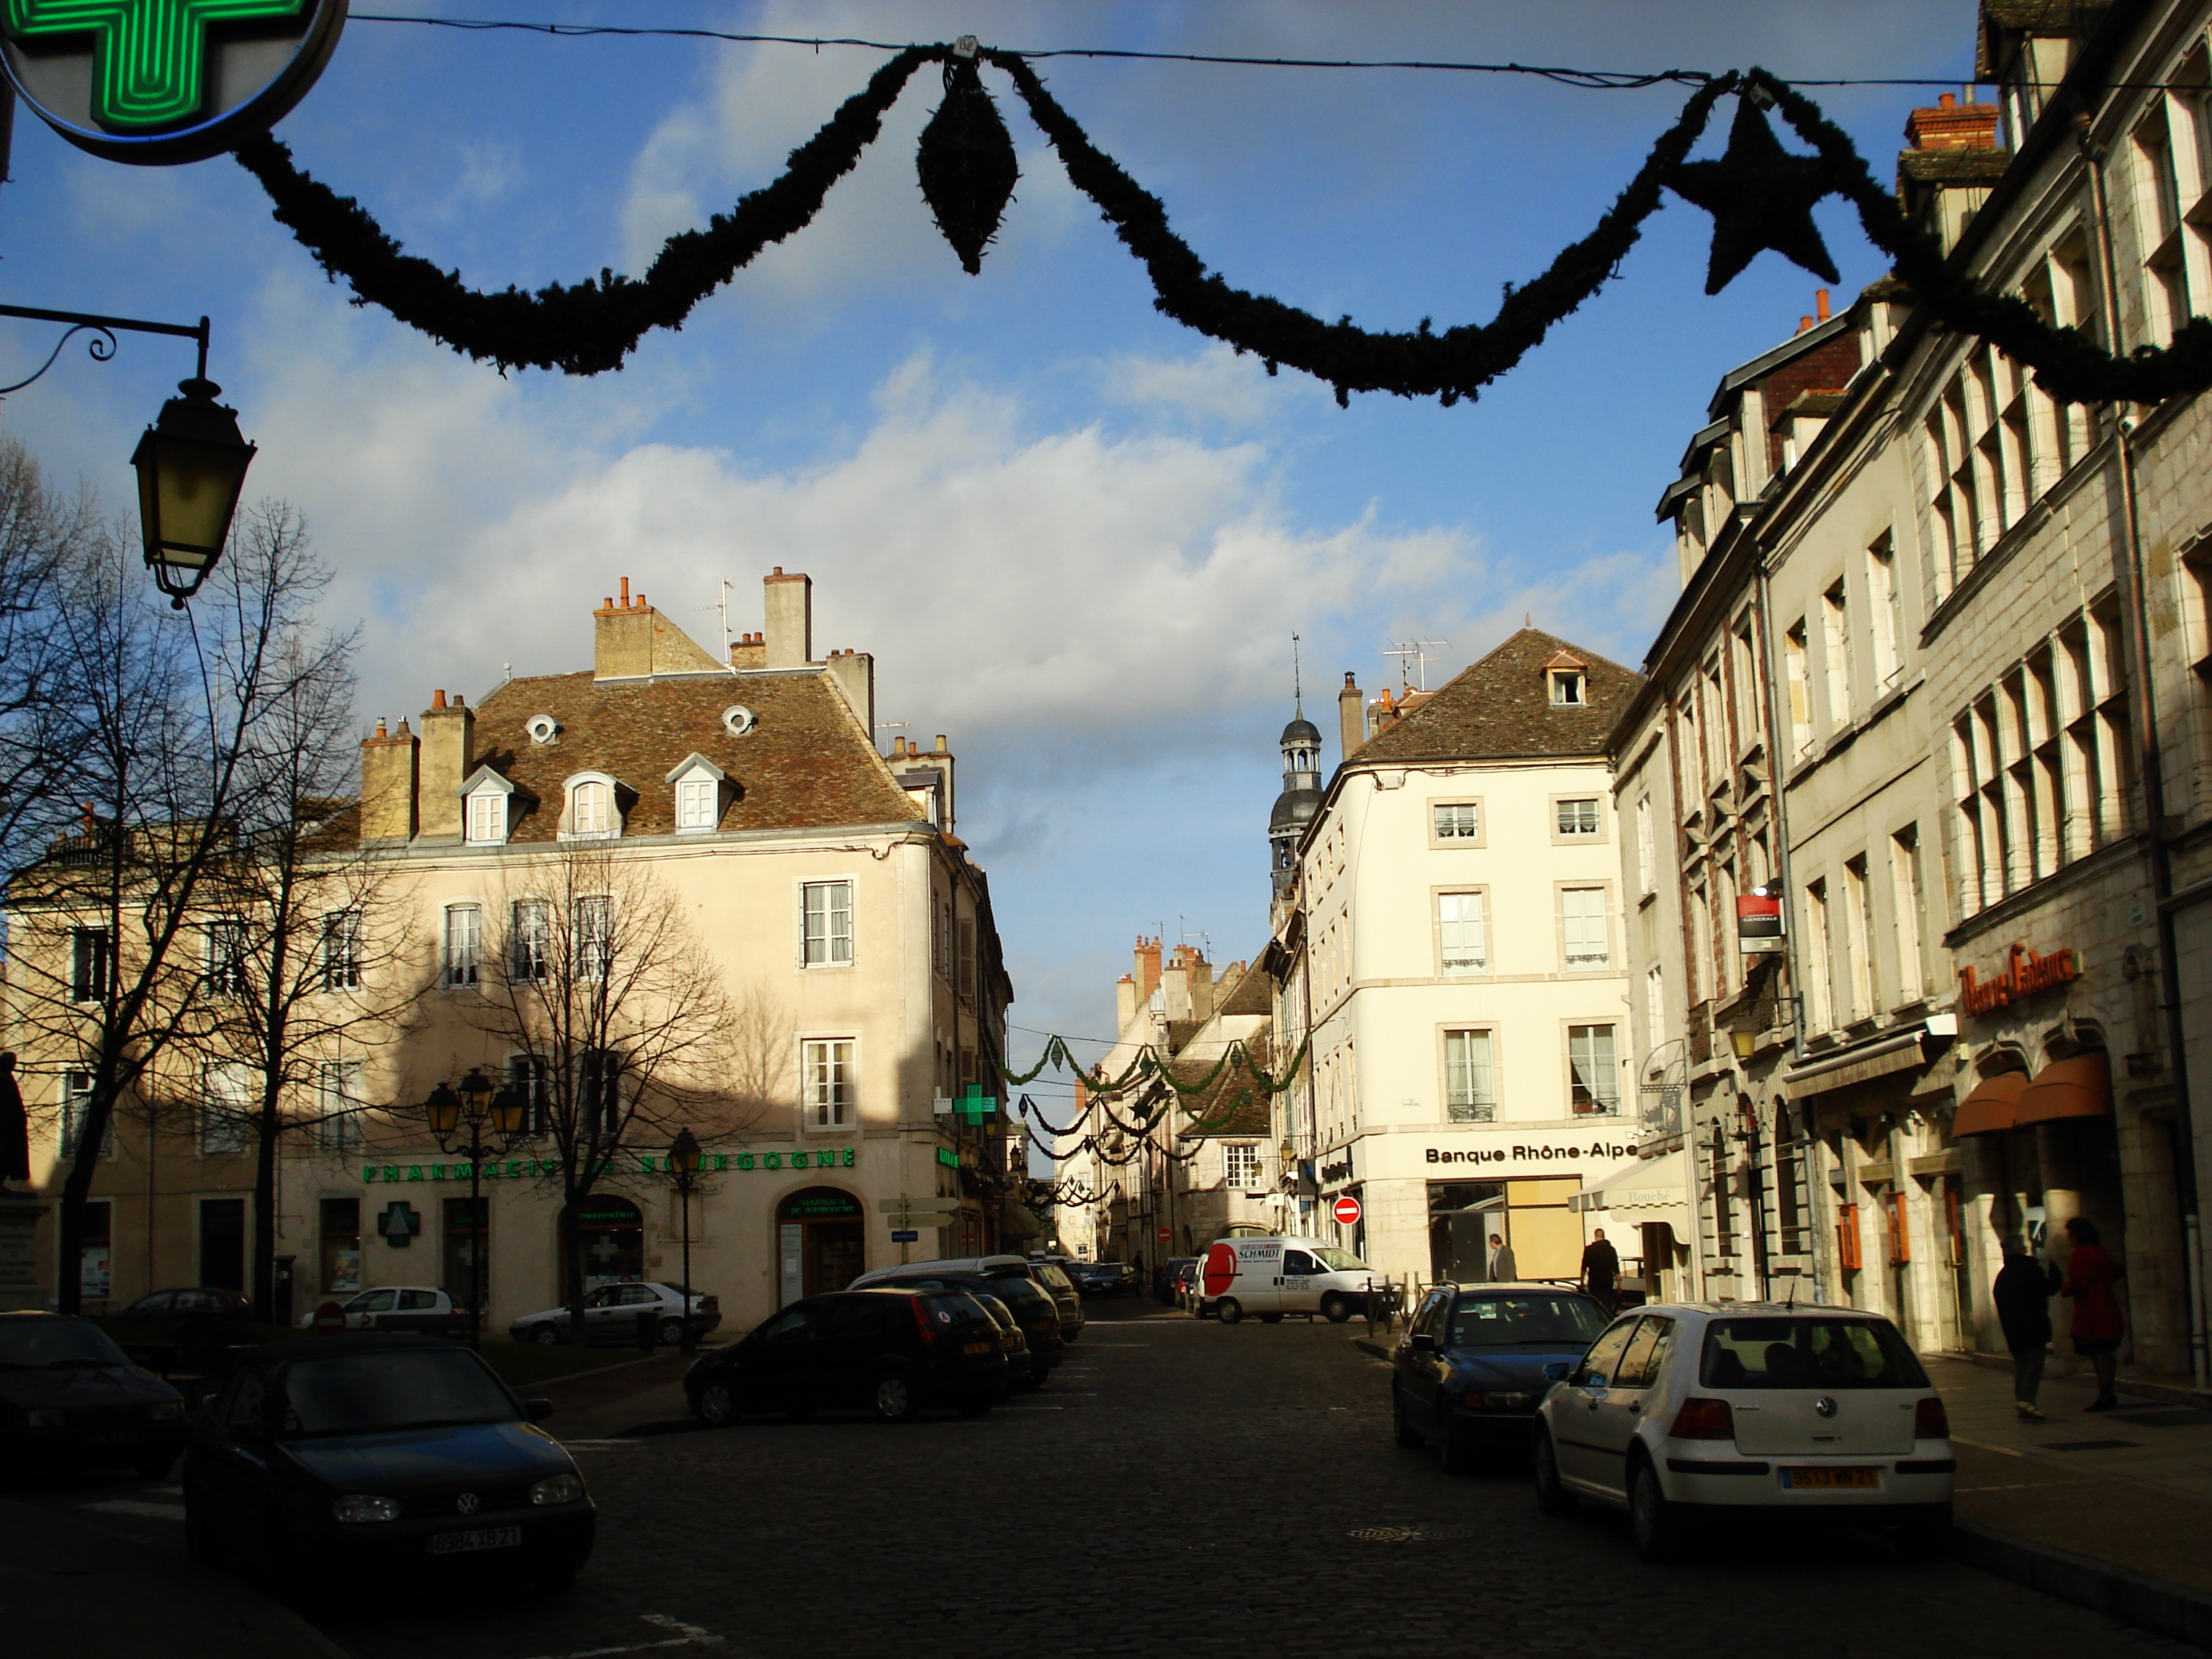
[[648, 1330]]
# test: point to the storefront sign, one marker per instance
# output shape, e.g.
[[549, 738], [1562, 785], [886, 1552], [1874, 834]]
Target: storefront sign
[[160, 82], [1528, 1154], [2025, 973], [948, 1157], [1759, 922], [524, 1169]]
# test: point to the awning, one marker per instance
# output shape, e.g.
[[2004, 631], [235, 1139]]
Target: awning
[[1860, 1064], [1647, 1184], [2079, 1087], [1992, 1107]]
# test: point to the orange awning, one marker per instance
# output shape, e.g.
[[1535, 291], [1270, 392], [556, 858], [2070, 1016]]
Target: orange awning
[[1993, 1106], [2079, 1087]]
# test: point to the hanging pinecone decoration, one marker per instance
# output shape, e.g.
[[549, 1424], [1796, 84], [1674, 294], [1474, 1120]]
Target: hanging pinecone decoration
[[966, 161]]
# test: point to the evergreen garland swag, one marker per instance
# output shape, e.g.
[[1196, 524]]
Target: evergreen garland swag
[[1760, 197]]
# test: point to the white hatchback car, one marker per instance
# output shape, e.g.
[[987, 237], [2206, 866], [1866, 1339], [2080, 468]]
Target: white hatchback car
[[1681, 1409]]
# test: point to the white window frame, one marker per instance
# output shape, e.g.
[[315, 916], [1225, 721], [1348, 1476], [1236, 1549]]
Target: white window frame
[[338, 1103], [1568, 939], [1448, 914], [580, 791], [592, 936], [528, 941], [1240, 1164], [828, 1084], [1457, 837], [226, 1089], [463, 946], [341, 950], [1470, 1077], [1593, 1068], [835, 946], [1578, 836], [1647, 850], [1569, 688], [486, 824], [76, 1101], [698, 798]]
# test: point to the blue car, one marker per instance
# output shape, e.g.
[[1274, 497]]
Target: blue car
[[1476, 1360]]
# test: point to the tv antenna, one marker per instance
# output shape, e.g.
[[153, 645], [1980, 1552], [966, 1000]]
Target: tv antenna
[[1415, 660], [722, 605]]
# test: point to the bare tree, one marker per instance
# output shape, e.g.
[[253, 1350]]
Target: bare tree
[[593, 976]]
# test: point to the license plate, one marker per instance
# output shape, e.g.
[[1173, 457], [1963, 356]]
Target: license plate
[[977, 1348], [1831, 1480], [489, 1538]]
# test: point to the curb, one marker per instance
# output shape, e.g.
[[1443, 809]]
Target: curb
[[1368, 1345], [2172, 1394], [2156, 1604]]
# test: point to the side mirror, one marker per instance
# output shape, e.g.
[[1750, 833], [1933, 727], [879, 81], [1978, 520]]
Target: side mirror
[[1422, 1342], [538, 1410], [1558, 1371]]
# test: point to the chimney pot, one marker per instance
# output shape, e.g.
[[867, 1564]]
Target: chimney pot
[[779, 570], [456, 700], [437, 700], [1804, 323], [625, 593], [380, 726], [1947, 101], [940, 743], [1820, 303]]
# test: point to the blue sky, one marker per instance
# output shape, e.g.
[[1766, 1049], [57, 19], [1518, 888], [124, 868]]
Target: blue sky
[[1077, 536]]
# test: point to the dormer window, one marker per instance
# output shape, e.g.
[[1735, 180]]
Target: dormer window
[[486, 820], [702, 794], [1567, 687], [593, 813]]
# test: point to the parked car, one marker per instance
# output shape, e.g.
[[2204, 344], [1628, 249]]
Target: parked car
[[1682, 1409], [71, 1399], [417, 1307], [611, 1314], [186, 1332], [1062, 1290], [383, 1452], [198, 1302], [888, 1348], [1054, 1283], [1272, 1276], [1027, 1304], [1104, 1278], [1466, 1377], [1181, 1280]]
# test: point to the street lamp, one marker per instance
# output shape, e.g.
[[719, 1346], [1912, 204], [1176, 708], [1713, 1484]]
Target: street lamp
[[191, 467], [476, 1103], [683, 1163]]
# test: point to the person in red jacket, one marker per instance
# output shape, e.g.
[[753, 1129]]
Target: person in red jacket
[[2096, 1329]]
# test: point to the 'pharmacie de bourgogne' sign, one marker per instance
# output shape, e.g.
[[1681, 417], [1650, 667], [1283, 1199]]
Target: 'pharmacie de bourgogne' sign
[[161, 82]]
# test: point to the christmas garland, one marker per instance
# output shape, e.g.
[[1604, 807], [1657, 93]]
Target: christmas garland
[[1761, 198]]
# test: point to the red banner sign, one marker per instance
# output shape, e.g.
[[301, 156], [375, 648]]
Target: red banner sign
[[2025, 973]]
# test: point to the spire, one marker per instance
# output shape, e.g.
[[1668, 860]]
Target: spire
[[1298, 689]]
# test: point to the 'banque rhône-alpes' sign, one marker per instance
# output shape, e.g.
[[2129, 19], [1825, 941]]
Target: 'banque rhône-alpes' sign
[[160, 82]]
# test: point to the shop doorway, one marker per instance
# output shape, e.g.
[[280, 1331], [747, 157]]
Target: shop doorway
[[467, 1227], [610, 1240], [222, 1243], [1462, 1214], [821, 1243]]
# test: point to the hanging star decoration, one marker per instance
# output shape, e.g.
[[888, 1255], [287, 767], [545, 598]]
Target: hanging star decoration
[[1760, 197]]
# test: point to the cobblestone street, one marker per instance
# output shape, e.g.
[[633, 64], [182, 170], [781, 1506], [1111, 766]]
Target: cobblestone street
[[1178, 1488]]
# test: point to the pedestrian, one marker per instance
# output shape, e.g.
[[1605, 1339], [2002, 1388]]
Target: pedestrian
[[1502, 1270], [2022, 1292], [2090, 1274], [1601, 1269]]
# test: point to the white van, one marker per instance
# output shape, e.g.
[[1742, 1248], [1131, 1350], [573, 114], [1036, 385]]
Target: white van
[[1271, 1277]]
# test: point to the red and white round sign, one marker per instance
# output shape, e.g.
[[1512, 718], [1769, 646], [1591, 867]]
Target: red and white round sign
[[1164, 1234], [330, 1320], [1346, 1210]]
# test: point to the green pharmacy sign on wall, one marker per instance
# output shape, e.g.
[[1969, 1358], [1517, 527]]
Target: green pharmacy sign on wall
[[165, 81]]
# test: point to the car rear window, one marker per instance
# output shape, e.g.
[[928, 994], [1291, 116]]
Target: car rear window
[[958, 1315], [1053, 1276], [56, 1342], [1808, 1353], [1507, 1321]]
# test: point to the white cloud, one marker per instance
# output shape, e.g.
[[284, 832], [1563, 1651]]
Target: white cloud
[[1213, 384]]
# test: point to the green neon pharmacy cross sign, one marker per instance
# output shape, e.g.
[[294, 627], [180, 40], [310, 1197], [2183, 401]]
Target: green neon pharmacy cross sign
[[149, 56]]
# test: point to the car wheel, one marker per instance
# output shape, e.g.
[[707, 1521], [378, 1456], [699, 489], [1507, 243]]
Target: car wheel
[[1271, 1319], [1925, 1531], [1335, 1309], [1657, 1525], [1401, 1427], [1455, 1452], [1551, 1498], [546, 1335], [894, 1398], [717, 1405], [672, 1333], [1035, 1380], [1227, 1310]]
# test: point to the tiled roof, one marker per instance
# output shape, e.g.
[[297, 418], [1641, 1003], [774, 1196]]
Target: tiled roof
[[805, 764], [1953, 167], [1501, 708]]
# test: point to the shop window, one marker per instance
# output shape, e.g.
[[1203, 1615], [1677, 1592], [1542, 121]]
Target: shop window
[[341, 1245], [95, 1253]]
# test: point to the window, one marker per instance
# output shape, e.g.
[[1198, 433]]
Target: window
[[1583, 929], [1595, 1081], [1567, 687], [966, 939], [464, 943], [1819, 989], [598, 1095], [827, 1064], [698, 802], [594, 930], [534, 1079], [529, 941], [1858, 936], [826, 937], [341, 1244], [1647, 851], [90, 971], [228, 1101], [1578, 817], [1886, 605], [77, 1104], [1240, 1165], [337, 1088], [1909, 899], [1654, 1009], [1460, 933], [1459, 820], [1470, 1085], [592, 810], [940, 938], [488, 817], [226, 958], [1836, 655], [341, 950], [1799, 688]]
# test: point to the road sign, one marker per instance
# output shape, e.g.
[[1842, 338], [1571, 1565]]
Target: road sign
[[905, 1236], [1346, 1210], [330, 1319], [1164, 1234]]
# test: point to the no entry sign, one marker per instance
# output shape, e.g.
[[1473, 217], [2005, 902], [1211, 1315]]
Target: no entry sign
[[330, 1320], [1164, 1234], [1346, 1210]]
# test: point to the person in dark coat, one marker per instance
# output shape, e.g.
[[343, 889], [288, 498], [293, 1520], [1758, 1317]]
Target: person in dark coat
[[1601, 1269], [2022, 1294], [2090, 1277]]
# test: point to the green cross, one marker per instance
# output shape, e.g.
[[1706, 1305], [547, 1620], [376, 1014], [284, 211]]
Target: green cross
[[976, 1105], [149, 56]]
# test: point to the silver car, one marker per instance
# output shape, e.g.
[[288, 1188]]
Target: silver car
[[611, 1314]]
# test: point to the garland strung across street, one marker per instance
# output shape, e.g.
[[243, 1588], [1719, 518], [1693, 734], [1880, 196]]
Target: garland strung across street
[[1147, 1071], [1759, 195]]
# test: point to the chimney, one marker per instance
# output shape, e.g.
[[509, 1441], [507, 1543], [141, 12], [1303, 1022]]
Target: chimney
[[1820, 303], [853, 673], [1148, 969], [1348, 717], [448, 743], [631, 640], [790, 611], [1125, 1003], [1175, 986], [749, 650], [388, 787], [1952, 126]]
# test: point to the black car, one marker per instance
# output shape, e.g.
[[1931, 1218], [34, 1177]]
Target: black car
[[195, 1302], [394, 1451], [891, 1350], [1467, 1376], [1033, 1310], [71, 1399], [1104, 1278]]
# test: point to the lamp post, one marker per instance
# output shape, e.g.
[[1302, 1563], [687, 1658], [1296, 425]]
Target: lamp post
[[684, 1164], [474, 1104], [191, 462]]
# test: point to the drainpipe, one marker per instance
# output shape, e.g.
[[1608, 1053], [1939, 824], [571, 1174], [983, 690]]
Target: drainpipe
[[2128, 569]]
